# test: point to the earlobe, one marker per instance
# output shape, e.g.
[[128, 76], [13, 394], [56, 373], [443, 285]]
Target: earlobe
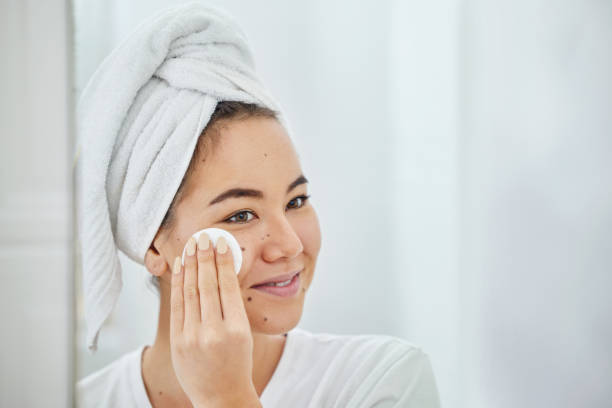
[[155, 262]]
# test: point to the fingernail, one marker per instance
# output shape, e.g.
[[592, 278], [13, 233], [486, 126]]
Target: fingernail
[[191, 246], [221, 245], [177, 265], [203, 241]]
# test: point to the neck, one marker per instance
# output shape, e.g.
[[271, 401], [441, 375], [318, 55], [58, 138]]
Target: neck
[[157, 362]]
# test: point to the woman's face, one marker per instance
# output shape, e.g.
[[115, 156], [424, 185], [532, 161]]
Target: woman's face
[[277, 229]]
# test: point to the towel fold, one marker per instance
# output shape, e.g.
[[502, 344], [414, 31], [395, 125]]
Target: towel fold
[[138, 122]]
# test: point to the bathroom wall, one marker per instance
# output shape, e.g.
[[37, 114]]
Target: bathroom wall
[[36, 229], [536, 203]]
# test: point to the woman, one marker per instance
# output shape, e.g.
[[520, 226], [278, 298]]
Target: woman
[[178, 136]]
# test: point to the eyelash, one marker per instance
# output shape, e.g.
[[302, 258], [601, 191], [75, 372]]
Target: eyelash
[[228, 220]]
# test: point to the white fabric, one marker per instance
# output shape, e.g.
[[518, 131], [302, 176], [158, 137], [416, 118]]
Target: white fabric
[[139, 119], [315, 371]]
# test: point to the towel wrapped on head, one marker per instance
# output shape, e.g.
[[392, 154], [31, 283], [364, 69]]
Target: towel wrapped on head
[[138, 122]]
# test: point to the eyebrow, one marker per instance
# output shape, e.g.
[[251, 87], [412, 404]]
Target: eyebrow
[[249, 192]]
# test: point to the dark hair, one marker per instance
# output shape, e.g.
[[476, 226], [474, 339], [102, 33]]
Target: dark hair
[[225, 110]]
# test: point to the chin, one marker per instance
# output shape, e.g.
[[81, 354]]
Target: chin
[[274, 318]]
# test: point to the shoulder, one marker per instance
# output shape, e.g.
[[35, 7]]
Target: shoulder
[[117, 384], [370, 368]]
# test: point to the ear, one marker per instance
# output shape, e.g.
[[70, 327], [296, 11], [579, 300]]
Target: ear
[[155, 262]]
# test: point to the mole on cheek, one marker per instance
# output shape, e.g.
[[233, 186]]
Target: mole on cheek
[[242, 248], [267, 235], [249, 298], [265, 319], [265, 154]]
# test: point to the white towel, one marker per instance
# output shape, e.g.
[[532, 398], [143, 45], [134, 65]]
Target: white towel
[[138, 122]]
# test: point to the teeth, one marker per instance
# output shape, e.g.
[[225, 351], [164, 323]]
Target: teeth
[[285, 283]]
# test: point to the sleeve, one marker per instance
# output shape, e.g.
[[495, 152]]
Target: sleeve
[[404, 380]]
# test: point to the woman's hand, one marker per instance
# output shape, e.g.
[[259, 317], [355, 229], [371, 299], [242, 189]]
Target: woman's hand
[[210, 335]]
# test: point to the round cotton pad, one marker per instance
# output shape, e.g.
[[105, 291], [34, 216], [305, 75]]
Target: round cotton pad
[[214, 234]]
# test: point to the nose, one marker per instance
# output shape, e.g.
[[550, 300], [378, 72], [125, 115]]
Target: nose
[[282, 241]]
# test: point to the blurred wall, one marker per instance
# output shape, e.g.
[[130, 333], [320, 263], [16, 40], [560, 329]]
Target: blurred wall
[[536, 211], [36, 236], [423, 82]]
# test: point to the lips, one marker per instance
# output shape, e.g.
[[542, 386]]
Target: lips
[[278, 278]]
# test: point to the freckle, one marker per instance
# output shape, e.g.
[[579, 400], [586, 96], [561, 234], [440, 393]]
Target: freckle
[[160, 393], [265, 154], [242, 248], [265, 319], [267, 235], [249, 298]]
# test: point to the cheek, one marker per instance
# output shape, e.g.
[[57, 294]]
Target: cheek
[[249, 240]]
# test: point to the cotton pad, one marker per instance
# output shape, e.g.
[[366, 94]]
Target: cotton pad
[[214, 234]]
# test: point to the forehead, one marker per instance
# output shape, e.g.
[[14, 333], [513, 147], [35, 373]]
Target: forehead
[[254, 152]]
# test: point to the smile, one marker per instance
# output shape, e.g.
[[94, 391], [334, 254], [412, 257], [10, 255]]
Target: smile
[[284, 289]]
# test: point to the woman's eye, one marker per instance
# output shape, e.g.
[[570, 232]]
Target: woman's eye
[[240, 217], [297, 202]]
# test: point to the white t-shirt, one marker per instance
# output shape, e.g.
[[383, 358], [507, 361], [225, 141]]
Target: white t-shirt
[[316, 370]]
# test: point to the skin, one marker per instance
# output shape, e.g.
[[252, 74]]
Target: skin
[[278, 233]]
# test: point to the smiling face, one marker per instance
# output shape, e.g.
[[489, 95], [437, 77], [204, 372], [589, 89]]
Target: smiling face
[[250, 183]]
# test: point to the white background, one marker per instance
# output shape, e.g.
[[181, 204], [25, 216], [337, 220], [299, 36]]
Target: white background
[[459, 157], [36, 210]]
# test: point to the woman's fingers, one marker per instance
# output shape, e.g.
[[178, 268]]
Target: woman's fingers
[[176, 300], [213, 359], [207, 289], [210, 307], [229, 288], [190, 289]]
